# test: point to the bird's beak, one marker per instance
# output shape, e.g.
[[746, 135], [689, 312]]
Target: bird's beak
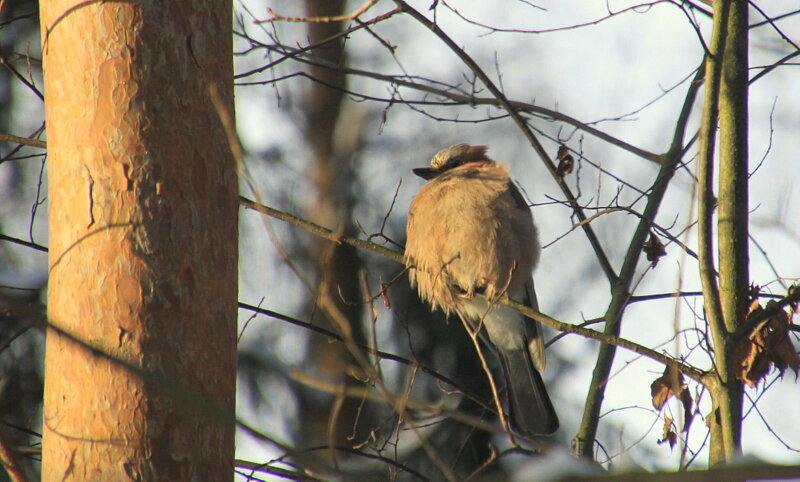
[[426, 172]]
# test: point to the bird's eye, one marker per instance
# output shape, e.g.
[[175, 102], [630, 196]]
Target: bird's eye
[[454, 162]]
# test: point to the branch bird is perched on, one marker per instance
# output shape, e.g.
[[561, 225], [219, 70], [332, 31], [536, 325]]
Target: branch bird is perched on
[[471, 240]]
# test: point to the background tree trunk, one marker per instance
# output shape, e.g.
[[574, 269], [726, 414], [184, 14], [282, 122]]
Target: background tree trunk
[[337, 265], [143, 242]]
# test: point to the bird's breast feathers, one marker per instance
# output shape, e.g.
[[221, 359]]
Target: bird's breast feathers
[[467, 234]]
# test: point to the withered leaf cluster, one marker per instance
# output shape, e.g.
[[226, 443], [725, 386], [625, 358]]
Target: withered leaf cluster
[[670, 384], [566, 163], [668, 434], [654, 249], [766, 345]]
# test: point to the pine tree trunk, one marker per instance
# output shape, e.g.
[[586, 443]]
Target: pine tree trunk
[[141, 348]]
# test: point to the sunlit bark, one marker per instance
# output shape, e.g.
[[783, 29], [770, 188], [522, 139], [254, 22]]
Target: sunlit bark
[[141, 351]]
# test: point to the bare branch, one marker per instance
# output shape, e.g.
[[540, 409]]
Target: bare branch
[[338, 18], [22, 140]]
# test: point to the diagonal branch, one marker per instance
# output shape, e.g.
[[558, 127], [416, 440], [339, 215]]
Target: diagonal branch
[[373, 351], [613, 340], [22, 140], [620, 291], [322, 231], [606, 338]]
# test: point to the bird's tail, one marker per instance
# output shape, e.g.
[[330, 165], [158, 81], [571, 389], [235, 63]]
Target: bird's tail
[[530, 409]]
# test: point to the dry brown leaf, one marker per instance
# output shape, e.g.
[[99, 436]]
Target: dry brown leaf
[[385, 296], [654, 249], [686, 399], [670, 383], [660, 392], [745, 355], [767, 344], [779, 346], [672, 438], [566, 162], [668, 434]]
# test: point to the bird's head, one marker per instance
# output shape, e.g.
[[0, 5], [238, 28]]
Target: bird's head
[[450, 158]]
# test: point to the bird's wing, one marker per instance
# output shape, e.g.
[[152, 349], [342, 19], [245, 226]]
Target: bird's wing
[[533, 330]]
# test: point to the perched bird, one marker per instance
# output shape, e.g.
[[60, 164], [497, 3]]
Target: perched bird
[[471, 241]]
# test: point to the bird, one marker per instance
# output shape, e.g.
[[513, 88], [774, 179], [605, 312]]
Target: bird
[[470, 241]]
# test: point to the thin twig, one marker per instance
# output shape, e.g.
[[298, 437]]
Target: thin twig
[[378, 353], [473, 100], [688, 370], [22, 140], [338, 18], [322, 231]]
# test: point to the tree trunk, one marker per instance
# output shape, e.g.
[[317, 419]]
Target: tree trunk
[[732, 223], [141, 347], [337, 265], [725, 304]]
